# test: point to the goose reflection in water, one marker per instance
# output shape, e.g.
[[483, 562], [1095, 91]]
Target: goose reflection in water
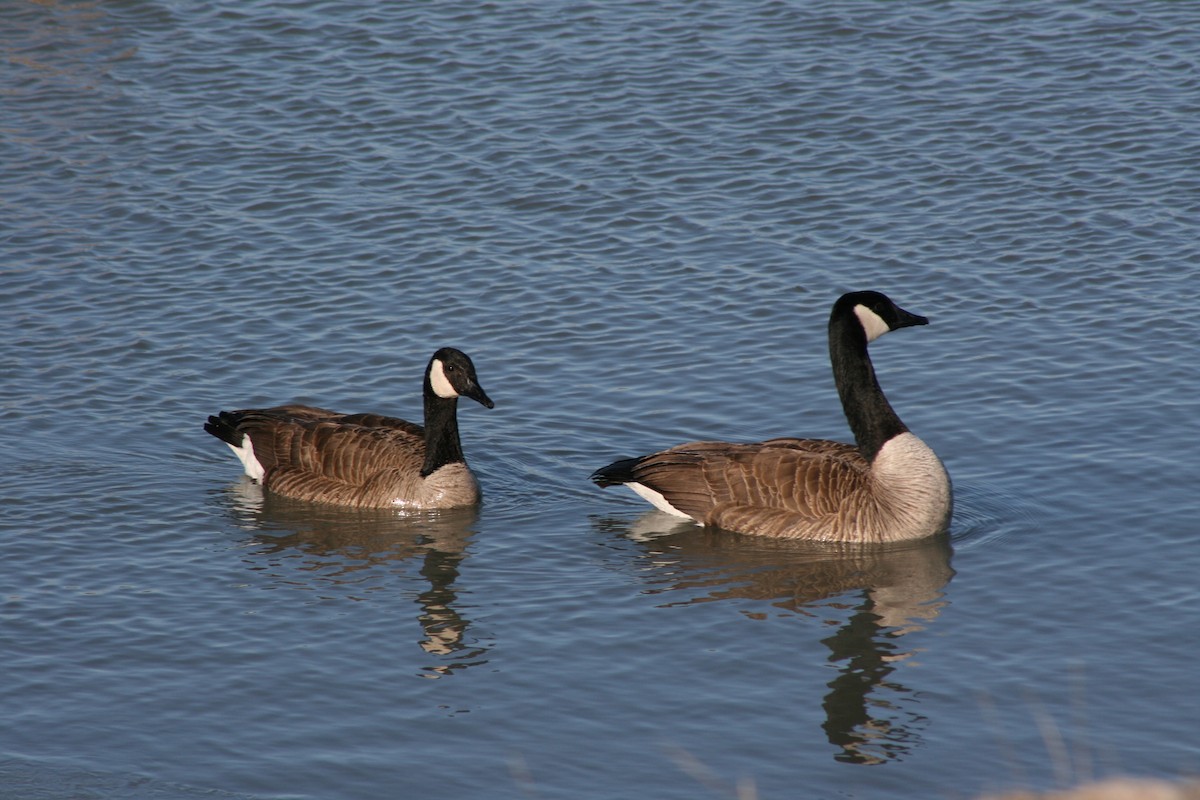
[[890, 591], [354, 549]]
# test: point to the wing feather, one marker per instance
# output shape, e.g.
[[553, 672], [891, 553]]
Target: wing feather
[[349, 459], [794, 488]]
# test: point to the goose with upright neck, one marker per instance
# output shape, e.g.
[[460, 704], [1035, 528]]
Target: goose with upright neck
[[363, 460], [888, 486]]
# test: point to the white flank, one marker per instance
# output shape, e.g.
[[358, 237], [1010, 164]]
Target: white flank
[[872, 323], [245, 454], [657, 500], [438, 380]]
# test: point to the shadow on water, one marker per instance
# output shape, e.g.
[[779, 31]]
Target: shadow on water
[[884, 592], [354, 550]]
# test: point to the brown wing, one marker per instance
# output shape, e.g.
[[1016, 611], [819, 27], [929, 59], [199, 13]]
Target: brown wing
[[322, 455], [781, 487], [380, 421], [299, 413]]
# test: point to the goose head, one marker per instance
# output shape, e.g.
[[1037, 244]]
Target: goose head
[[451, 374], [876, 313]]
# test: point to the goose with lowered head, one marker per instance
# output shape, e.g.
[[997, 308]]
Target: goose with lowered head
[[363, 460], [888, 486]]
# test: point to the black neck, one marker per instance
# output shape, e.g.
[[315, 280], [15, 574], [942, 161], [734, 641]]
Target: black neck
[[441, 432], [870, 415]]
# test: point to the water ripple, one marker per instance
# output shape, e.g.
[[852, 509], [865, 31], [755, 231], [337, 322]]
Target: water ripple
[[635, 218]]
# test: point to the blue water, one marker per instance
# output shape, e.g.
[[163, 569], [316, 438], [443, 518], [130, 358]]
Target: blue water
[[634, 217]]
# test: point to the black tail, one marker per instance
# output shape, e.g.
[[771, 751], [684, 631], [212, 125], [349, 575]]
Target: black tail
[[224, 427], [616, 473]]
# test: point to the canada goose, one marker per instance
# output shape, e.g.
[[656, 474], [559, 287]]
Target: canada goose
[[890, 487], [363, 460]]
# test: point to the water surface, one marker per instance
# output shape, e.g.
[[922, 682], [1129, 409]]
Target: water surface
[[635, 218]]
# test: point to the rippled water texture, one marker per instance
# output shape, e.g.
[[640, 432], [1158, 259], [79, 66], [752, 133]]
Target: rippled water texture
[[635, 218]]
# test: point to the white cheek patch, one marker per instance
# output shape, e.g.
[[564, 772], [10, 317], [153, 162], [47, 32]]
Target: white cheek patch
[[438, 380], [872, 323]]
